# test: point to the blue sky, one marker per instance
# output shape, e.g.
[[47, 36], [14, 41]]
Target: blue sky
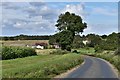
[[39, 18]]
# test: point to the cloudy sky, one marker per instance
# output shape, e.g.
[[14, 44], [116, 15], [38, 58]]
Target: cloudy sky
[[39, 18]]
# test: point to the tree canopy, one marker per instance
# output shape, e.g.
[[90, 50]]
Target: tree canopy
[[71, 22]]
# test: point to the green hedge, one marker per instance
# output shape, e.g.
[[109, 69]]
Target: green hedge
[[16, 52]]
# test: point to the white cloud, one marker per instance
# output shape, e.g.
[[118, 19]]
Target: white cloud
[[41, 18], [78, 9]]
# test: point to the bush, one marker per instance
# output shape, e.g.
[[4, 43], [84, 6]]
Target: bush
[[68, 48], [16, 52], [98, 49], [75, 51], [117, 52]]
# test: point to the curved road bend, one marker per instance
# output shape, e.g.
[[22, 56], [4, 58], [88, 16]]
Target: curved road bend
[[93, 68]]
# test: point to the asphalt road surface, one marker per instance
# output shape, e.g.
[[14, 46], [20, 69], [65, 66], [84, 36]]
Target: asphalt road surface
[[93, 68]]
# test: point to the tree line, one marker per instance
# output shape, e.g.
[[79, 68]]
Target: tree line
[[26, 37]]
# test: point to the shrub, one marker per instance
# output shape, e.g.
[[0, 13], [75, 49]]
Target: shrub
[[74, 51], [117, 52], [98, 49], [68, 48], [16, 52]]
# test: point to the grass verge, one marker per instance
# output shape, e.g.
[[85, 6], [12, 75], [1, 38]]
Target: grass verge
[[42, 66]]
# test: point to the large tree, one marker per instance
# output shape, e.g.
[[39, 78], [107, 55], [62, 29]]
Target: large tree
[[68, 24], [71, 22]]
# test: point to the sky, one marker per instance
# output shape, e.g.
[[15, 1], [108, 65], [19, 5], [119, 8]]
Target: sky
[[39, 18]]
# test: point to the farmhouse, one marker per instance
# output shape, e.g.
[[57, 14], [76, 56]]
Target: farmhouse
[[40, 45], [85, 42], [55, 45]]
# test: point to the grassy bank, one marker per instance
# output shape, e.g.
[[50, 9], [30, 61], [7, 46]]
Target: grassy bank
[[39, 66]]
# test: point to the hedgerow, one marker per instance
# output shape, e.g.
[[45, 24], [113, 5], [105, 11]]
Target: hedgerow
[[9, 52]]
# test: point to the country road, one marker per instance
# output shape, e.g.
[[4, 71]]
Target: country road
[[93, 68]]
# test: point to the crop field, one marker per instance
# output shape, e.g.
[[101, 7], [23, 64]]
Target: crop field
[[22, 42], [39, 66]]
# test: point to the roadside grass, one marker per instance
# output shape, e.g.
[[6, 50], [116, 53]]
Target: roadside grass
[[86, 50], [42, 66]]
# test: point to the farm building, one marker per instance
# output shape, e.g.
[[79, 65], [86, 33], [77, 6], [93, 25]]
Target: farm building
[[41, 45], [55, 45], [38, 45], [85, 42]]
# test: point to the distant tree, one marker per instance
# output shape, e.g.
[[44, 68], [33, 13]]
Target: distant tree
[[94, 40], [69, 23], [111, 43], [52, 40], [104, 36], [77, 42]]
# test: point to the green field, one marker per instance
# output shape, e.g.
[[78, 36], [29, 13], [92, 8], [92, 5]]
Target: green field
[[39, 66]]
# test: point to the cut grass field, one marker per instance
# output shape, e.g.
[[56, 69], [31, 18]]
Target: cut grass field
[[42, 66], [22, 42]]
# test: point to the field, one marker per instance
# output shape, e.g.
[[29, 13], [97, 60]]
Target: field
[[22, 42], [39, 66]]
